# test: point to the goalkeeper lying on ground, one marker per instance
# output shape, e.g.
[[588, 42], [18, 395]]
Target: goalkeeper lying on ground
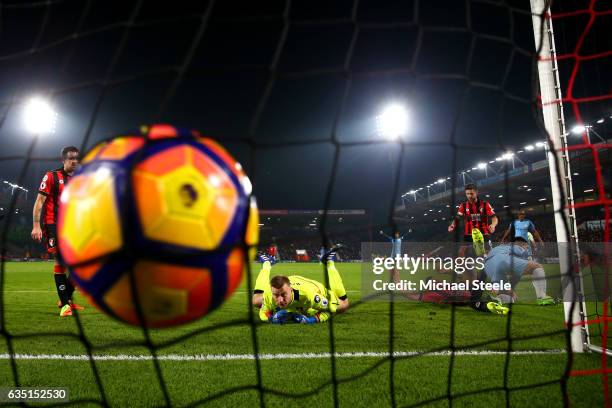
[[295, 299]]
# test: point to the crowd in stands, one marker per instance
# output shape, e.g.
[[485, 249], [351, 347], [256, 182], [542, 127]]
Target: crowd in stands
[[19, 244], [429, 233]]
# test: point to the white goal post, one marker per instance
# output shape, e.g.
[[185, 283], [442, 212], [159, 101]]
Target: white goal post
[[560, 173]]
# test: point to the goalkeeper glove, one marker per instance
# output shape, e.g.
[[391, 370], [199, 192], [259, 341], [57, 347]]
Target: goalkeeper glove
[[330, 255], [301, 319], [280, 317], [262, 257]]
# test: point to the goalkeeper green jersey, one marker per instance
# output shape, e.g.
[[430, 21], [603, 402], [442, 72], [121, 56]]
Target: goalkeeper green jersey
[[310, 298]]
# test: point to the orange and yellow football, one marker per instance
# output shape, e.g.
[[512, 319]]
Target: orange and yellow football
[[156, 228]]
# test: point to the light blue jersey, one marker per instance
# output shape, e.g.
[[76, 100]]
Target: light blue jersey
[[504, 260], [522, 228], [396, 245]]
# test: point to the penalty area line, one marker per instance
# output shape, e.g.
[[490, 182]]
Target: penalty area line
[[277, 356]]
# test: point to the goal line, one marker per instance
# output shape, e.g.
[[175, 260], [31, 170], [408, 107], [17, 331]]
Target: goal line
[[275, 356]]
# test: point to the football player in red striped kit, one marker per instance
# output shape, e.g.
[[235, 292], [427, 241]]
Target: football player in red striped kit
[[476, 213], [45, 213]]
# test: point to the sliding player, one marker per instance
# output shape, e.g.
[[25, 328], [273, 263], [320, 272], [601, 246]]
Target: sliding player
[[456, 297], [45, 211], [295, 299], [512, 259]]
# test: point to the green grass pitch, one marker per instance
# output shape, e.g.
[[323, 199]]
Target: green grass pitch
[[31, 318]]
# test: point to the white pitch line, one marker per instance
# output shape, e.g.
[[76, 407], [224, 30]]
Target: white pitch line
[[280, 356], [28, 291]]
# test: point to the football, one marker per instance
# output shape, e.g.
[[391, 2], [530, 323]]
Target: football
[[157, 227]]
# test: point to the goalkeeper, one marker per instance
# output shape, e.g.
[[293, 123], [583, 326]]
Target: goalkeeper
[[295, 299]]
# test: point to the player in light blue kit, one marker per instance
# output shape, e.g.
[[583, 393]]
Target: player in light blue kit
[[522, 227], [512, 259], [396, 249]]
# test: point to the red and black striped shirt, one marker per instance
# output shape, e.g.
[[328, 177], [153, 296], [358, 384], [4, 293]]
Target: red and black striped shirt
[[52, 186], [475, 215]]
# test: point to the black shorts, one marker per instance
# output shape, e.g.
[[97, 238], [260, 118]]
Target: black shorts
[[50, 237]]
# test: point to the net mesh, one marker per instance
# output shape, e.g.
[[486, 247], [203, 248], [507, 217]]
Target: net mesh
[[577, 52], [259, 58]]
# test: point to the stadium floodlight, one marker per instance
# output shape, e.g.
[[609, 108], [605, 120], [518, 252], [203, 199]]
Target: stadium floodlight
[[482, 166], [440, 181], [578, 129], [600, 121], [411, 192], [508, 156], [498, 159], [39, 117], [529, 148], [392, 122]]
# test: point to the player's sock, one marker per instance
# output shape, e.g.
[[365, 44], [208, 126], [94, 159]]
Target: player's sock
[[263, 279], [61, 284], [335, 281], [69, 288], [477, 294], [480, 306], [539, 282]]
